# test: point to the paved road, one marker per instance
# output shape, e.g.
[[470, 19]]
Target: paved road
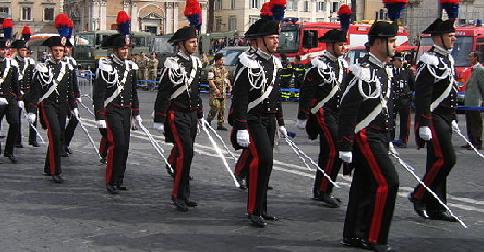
[[37, 215]]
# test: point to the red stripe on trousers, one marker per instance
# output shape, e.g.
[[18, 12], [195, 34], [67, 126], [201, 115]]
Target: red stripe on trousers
[[381, 191], [435, 168], [51, 146], [332, 151], [179, 158], [102, 145], [111, 150], [242, 162], [253, 178]]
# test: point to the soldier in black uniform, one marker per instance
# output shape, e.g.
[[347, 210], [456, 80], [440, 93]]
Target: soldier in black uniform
[[9, 95], [53, 91], [319, 102], [402, 89], [363, 141], [178, 110], [116, 102], [72, 124], [435, 100], [26, 66], [256, 108]]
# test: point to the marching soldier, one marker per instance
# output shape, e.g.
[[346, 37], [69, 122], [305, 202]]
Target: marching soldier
[[256, 108], [435, 100], [319, 101], [9, 91], [116, 102], [363, 141], [219, 84], [178, 110], [73, 121], [26, 66], [53, 91], [402, 89]]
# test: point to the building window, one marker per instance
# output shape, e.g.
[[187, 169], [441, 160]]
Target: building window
[[334, 6], [306, 6], [252, 19], [232, 4], [290, 5], [26, 14], [232, 23], [49, 14], [218, 23], [321, 6], [5, 10], [218, 5], [254, 4]]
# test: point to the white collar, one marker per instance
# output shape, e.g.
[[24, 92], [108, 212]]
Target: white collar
[[330, 56], [476, 65], [117, 59], [21, 59], [183, 55], [441, 50], [373, 59], [263, 54]]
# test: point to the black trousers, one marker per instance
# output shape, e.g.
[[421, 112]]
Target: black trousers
[[70, 129], [103, 145], [118, 122], [373, 189], [32, 133], [262, 132], [440, 160], [10, 111], [242, 165], [474, 127], [183, 127], [328, 159], [53, 117], [402, 108]]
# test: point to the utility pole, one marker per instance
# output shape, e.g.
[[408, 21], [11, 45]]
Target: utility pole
[[210, 15]]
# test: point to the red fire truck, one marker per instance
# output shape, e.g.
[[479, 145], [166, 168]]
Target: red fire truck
[[301, 38], [469, 38]]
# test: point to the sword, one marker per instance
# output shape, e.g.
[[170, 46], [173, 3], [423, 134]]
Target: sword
[[221, 140], [88, 135], [33, 127], [155, 145], [456, 129]]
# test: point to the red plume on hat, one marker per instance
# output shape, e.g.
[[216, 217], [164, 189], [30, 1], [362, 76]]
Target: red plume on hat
[[451, 7], [278, 9], [193, 12], [395, 8], [62, 24], [266, 10], [123, 21], [344, 16], [26, 33], [7, 28]]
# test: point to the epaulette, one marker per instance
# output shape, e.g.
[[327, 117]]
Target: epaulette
[[171, 63], [361, 71], [248, 60], [389, 71], [106, 64], [31, 61], [429, 58], [199, 62], [133, 65], [319, 63], [277, 63], [41, 67]]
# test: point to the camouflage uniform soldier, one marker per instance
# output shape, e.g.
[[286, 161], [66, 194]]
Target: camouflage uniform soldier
[[219, 83], [153, 67]]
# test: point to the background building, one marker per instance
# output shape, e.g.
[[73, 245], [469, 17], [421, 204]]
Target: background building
[[38, 14]]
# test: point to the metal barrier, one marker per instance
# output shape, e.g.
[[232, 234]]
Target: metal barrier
[[85, 79]]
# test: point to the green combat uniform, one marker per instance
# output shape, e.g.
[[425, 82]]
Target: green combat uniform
[[219, 75]]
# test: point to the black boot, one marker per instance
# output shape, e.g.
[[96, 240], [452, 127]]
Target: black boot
[[57, 179], [329, 200], [12, 158], [111, 189], [34, 144], [180, 205], [257, 221], [443, 216], [191, 203], [242, 183], [418, 206]]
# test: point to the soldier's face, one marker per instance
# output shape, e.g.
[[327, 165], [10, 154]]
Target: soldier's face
[[338, 49], [387, 46], [269, 42], [57, 52], [23, 52], [449, 40], [67, 51], [122, 52], [191, 45]]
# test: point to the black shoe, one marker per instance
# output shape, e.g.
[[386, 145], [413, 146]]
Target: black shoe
[[257, 221], [191, 203], [329, 200], [383, 248], [270, 188], [102, 160], [242, 183], [12, 158], [47, 174], [400, 144], [169, 171], [269, 217], [63, 153], [418, 206], [467, 146], [19, 146], [34, 144], [190, 177], [68, 150], [111, 189], [356, 242], [57, 179], [121, 188], [220, 127], [180, 205], [444, 216]]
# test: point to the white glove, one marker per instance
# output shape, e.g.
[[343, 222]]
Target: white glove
[[391, 148], [159, 126], [243, 138], [101, 124], [425, 133], [21, 104], [31, 118], [301, 124], [283, 131], [75, 111], [79, 100], [3, 101], [455, 126], [346, 156]]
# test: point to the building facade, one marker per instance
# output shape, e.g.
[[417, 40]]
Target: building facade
[[38, 14], [157, 17]]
